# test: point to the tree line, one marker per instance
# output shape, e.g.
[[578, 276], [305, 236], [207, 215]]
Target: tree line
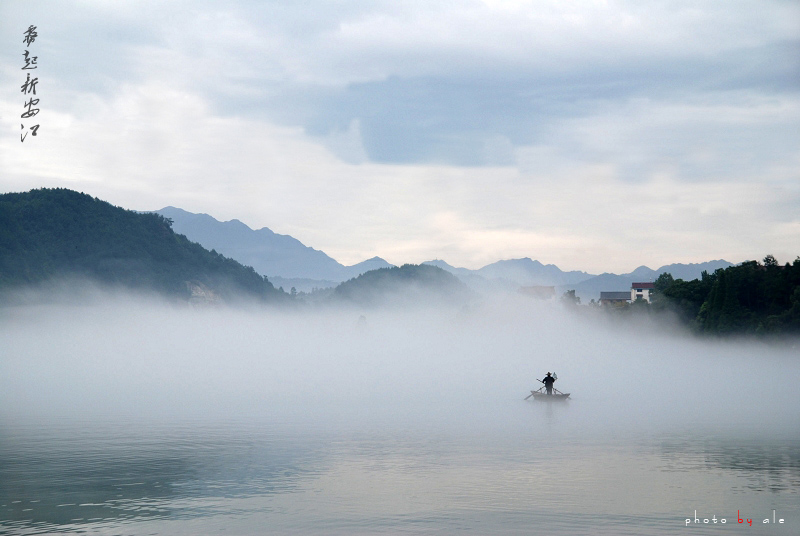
[[750, 298]]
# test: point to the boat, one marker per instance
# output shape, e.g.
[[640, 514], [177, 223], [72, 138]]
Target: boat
[[541, 394]]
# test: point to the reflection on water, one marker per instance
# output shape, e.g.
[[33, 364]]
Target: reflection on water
[[100, 475], [302, 424], [763, 466], [248, 479]]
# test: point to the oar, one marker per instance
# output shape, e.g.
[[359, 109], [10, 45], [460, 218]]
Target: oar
[[530, 395]]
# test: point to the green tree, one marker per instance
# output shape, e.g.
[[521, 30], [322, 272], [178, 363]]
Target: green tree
[[663, 282]]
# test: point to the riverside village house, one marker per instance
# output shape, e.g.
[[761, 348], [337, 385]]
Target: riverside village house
[[641, 290], [638, 291]]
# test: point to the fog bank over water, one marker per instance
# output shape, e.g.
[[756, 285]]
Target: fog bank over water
[[129, 358]]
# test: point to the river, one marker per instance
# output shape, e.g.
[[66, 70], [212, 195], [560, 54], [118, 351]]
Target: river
[[141, 420]]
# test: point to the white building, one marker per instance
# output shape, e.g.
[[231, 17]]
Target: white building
[[641, 291]]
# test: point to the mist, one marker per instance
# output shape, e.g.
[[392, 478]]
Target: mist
[[133, 358]]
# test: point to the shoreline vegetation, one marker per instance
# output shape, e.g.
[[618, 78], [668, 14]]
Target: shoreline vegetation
[[53, 239], [751, 298]]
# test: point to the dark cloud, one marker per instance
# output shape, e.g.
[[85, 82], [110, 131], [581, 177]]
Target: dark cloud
[[448, 119]]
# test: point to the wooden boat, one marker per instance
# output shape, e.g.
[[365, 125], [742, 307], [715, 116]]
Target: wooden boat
[[541, 394]]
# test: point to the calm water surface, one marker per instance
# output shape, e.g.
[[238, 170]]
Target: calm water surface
[[388, 476], [127, 418]]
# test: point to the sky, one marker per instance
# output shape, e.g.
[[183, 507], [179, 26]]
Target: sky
[[597, 135]]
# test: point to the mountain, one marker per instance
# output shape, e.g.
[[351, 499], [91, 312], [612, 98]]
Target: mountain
[[527, 272], [59, 233], [375, 263], [277, 256], [409, 284], [459, 272], [289, 263], [474, 281], [510, 275], [689, 272], [590, 289]]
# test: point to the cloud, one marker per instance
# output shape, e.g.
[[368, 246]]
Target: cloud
[[621, 132], [148, 148], [730, 137], [427, 82]]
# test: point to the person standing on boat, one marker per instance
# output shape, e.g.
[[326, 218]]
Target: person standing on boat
[[548, 382]]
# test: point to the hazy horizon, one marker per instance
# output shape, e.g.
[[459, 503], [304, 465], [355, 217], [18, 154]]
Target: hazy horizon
[[125, 355], [125, 412]]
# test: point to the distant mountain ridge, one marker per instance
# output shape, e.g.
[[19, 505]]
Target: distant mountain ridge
[[288, 262], [514, 273], [529, 272], [509, 275], [590, 289], [270, 254]]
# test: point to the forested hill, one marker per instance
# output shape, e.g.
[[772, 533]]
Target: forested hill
[[748, 298], [409, 284], [52, 233]]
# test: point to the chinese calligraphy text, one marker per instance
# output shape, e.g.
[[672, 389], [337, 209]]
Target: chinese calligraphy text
[[28, 89]]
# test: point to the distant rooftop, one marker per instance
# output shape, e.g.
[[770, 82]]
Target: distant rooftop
[[643, 285], [626, 295]]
